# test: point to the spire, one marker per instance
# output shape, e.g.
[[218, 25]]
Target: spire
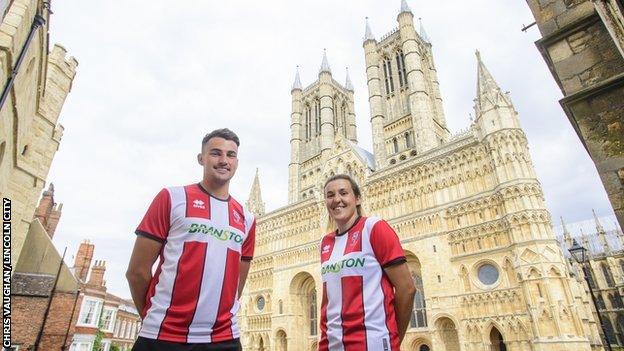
[[423, 33], [599, 227], [488, 91], [325, 63], [405, 7], [297, 83], [567, 238], [602, 235], [368, 35], [348, 84], [254, 203]]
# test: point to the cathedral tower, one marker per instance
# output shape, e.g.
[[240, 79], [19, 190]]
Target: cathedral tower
[[321, 112], [405, 102]]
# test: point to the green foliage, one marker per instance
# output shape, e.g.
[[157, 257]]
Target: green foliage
[[97, 343], [114, 348]]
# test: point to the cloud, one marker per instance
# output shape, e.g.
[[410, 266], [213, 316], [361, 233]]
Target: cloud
[[154, 78]]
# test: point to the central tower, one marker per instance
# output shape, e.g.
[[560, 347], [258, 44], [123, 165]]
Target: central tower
[[405, 102], [320, 112]]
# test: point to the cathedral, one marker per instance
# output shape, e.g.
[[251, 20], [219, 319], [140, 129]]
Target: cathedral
[[468, 208]]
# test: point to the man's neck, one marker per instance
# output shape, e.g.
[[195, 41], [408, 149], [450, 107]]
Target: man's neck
[[221, 191]]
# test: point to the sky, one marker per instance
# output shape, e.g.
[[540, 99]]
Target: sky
[[153, 78]]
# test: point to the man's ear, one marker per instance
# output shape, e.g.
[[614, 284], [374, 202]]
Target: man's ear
[[200, 159]]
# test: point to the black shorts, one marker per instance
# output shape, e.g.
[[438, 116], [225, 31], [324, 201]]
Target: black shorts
[[145, 344]]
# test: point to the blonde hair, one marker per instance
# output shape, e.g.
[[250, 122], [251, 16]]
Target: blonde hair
[[331, 224]]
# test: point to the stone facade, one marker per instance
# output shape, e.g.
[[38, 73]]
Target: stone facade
[[606, 269], [582, 43], [29, 132], [467, 207]]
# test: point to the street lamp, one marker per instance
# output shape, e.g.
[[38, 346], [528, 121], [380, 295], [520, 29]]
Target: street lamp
[[580, 256]]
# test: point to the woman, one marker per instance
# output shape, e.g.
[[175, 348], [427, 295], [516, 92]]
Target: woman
[[368, 291]]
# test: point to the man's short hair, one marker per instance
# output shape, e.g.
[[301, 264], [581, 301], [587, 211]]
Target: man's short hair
[[221, 133]]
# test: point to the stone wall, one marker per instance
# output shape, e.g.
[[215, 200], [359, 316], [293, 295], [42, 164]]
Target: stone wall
[[584, 56]]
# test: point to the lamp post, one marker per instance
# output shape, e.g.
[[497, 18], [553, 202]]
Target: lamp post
[[579, 253]]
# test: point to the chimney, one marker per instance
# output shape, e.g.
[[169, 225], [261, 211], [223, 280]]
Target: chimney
[[48, 213], [83, 260], [96, 279]]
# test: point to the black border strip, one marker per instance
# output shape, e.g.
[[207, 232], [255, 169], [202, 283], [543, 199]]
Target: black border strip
[[394, 262], [150, 236]]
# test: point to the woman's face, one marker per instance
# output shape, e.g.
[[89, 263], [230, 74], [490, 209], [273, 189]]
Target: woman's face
[[340, 200]]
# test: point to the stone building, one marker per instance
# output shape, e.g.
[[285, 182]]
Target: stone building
[[582, 44], [35, 82], [101, 317], [43, 306], [606, 267], [467, 207]]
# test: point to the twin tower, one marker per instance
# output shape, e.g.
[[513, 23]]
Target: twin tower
[[405, 104], [406, 110]]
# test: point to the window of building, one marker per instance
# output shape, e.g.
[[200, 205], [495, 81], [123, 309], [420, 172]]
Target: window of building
[[400, 60], [308, 122], [260, 303], [313, 313], [389, 83], [419, 313], [607, 274], [108, 319], [90, 312], [408, 140], [116, 333], [280, 307], [317, 115], [395, 145], [488, 274], [81, 346]]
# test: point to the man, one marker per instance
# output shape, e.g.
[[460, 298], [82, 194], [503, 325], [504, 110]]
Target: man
[[205, 241]]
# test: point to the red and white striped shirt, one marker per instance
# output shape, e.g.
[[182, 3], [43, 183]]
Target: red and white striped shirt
[[192, 297], [357, 311]]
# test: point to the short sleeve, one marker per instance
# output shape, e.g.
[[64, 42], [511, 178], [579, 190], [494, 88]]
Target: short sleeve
[[249, 244], [155, 223], [386, 245]]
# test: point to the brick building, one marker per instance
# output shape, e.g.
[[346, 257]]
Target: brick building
[[43, 306], [583, 46], [114, 319]]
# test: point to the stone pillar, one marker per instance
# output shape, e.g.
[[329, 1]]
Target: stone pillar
[[419, 94], [295, 146], [375, 101]]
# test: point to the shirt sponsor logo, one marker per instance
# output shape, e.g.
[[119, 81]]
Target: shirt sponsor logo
[[221, 234], [338, 266], [199, 204], [326, 248]]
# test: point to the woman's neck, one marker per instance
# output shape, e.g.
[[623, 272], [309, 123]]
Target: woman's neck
[[348, 224]]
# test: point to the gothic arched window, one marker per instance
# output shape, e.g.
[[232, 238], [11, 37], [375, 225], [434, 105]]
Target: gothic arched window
[[308, 122], [400, 60], [387, 65], [313, 313], [395, 144], [607, 274], [419, 313], [317, 116], [600, 302], [343, 115]]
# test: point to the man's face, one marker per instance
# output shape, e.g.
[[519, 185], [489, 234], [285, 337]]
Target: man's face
[[220, 160]]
